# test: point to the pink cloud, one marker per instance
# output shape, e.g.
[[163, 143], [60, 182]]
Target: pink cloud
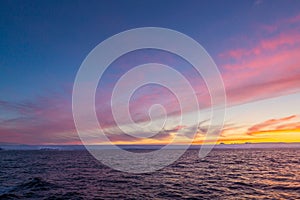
[[45, 120], [266, 68]]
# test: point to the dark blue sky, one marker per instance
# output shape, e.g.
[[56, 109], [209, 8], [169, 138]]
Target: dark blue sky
[[43, 43]]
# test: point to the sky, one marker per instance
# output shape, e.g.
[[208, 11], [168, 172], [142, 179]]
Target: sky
[[255, 45]]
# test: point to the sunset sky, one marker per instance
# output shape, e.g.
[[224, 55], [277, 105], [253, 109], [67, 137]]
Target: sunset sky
[[255, 44]]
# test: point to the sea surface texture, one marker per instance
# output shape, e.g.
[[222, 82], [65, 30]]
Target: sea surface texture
[[223, 174]]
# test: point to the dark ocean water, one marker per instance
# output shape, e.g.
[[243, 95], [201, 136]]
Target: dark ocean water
[[224, 174]]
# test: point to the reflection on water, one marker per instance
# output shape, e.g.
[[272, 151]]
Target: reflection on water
[[223, 174]]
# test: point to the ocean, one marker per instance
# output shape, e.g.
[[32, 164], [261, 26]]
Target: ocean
[[226, 173]]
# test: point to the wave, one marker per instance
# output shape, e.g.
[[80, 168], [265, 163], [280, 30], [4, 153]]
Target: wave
[[28, 188]]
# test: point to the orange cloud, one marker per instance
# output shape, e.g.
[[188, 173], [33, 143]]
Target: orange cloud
[[290, 126], [268, 126]]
